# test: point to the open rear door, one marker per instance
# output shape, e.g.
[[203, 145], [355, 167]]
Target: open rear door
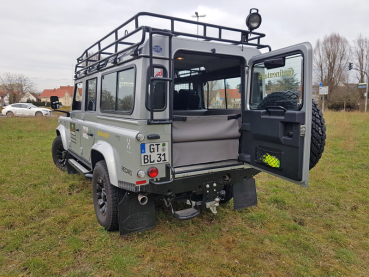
[[276, 116]]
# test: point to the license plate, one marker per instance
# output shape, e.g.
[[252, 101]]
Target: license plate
[[154, 153]]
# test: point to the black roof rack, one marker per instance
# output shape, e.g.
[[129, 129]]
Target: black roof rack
[[97, 56]]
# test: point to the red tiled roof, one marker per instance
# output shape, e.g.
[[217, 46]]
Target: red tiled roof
[[5, 93], [231, 93], [60, 92], [37, 96]]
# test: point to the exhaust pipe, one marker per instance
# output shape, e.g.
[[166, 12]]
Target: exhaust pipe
[[142, 198]]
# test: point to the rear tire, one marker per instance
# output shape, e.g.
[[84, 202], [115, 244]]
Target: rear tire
[[318, 135], [106, 197], [9, 114], [288, 99], [59, 154]]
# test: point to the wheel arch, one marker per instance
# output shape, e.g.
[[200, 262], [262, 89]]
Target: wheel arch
[[61, 131], [102, 150]]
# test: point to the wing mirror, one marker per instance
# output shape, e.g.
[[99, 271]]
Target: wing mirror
[[275, 63], [54, 102], [55, 105]]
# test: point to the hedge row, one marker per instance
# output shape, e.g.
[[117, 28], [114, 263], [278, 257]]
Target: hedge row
[[40, 104]]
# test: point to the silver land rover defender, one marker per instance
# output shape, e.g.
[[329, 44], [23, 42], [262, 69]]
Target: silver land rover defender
[[175, 116]]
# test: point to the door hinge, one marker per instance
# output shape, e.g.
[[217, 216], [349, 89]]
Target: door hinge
[[302, 130]]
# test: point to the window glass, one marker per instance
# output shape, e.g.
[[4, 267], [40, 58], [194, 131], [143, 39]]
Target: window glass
[[159, 90], [24, 106], [126, 82], [280, 86], [109, 87], [77, 97], [91, 95], [117, 93], [188, 96], [223, 93], [16, 105]]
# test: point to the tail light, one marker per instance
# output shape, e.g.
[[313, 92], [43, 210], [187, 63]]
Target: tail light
[[153, 172]]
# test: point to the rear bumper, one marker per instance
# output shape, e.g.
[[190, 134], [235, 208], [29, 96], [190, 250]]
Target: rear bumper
[[194, 183]]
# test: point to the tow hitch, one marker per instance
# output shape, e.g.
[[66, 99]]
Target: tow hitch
[[213, 205]]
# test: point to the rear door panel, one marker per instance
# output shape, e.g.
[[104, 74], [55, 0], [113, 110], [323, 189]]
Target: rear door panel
[[273, 137]]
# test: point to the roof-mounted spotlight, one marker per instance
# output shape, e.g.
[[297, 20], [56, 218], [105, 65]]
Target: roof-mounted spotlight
[[253, 20]]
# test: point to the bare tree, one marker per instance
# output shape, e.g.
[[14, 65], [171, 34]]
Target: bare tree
[[17, 85], [361, 56], [331, 57]]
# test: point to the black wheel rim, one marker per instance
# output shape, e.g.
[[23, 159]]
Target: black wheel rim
[[61, 154], [101, 195]]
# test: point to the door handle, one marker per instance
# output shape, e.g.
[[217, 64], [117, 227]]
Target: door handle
[[90, 134], [77, 130]]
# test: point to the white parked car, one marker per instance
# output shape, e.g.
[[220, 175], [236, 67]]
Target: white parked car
[[24, 109]]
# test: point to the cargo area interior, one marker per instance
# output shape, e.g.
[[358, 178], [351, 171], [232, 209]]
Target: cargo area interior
[[206, 111]]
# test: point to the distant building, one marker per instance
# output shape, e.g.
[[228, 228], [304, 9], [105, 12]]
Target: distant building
[[65, 94], [3, 94], [29, 96], [4, 97], [218, 99]]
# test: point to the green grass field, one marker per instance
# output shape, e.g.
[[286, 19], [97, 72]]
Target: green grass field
[[48, 226]]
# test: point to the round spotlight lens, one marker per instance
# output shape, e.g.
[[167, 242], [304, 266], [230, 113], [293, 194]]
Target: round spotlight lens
[[141, 174], [140, 137], [253, 21], [153, 172]]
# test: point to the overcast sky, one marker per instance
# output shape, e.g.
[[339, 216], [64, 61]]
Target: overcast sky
[[43, 38]]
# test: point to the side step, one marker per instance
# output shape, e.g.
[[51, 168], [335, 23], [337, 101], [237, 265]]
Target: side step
[[185, 214], [80, 168]]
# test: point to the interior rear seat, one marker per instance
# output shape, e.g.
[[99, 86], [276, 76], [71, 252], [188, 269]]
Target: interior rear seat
[[186, 100]]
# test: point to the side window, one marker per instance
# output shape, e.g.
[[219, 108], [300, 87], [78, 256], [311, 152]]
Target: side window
[[117, 93], [125, 93], [16, 105], [223, 94], [90, 104], [277, 82], [77, 97], [109, 87], [24, 106], [159, 89]]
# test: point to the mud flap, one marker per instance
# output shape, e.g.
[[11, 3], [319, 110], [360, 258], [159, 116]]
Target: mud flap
[[244, 194], [134, 217]]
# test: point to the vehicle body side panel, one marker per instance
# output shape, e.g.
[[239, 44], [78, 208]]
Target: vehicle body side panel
[[111, 158], [63, 134]]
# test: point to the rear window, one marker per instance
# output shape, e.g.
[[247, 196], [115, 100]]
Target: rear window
[[159, 89], [223, 94], [281, 86]]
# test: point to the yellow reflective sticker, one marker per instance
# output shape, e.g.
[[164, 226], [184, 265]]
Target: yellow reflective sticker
[[271, 161], [102, 134]]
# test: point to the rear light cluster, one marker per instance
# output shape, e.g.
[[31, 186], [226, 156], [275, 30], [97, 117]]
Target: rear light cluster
[[152, 173]]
